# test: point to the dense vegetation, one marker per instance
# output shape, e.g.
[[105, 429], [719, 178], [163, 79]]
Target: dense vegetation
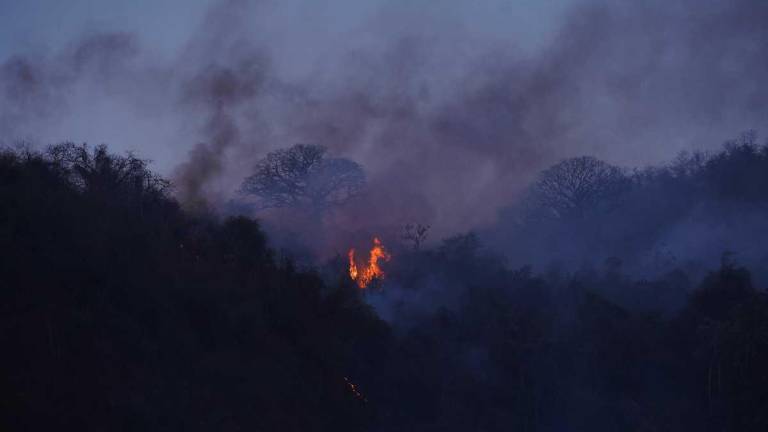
[[119, 311], [682, 215]]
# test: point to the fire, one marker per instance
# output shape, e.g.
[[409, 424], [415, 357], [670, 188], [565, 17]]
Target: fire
[[353, 388], [371, 271], [352, 265]]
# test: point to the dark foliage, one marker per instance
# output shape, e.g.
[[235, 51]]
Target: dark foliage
[[118, 311], [591, 350], [683, 214]]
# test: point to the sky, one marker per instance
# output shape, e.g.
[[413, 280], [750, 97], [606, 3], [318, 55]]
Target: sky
[[452, 107], [302, 31], [49, 25], [166, 25]]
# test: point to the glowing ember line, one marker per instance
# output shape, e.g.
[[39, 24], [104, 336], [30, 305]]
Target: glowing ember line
[[353, 388]]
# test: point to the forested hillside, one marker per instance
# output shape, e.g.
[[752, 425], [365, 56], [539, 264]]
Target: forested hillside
[[121, 311]]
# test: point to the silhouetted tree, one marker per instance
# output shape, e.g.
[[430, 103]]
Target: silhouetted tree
[[98, 171], [303, 177], [415, 233], [574, 185]]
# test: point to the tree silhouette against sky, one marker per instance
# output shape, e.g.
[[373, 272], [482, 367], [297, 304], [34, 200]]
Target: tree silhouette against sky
[[302, 177]]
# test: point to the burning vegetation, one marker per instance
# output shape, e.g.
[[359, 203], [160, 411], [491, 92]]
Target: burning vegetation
[[363, 275], [354, 390]]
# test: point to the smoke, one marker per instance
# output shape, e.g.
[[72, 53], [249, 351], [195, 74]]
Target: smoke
[[216, 92], [448, 108]]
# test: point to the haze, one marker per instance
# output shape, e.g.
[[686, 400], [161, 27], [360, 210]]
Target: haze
[[451, 108]]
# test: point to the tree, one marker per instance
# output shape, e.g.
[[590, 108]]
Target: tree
[[302, 177], [416, 233], [577, 184], [98, 171]]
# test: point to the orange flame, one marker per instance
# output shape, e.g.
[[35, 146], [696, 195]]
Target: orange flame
[[372, 271], [352, 265]]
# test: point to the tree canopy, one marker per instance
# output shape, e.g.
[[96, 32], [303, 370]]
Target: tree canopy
[[303, 177], [573, 185]]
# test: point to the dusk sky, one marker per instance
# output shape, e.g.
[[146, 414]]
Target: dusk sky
[[468, 97], [166, 25]]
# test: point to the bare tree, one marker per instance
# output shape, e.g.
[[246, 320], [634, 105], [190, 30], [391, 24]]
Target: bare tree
[[577, 184], [302, 177], [415, 233]]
